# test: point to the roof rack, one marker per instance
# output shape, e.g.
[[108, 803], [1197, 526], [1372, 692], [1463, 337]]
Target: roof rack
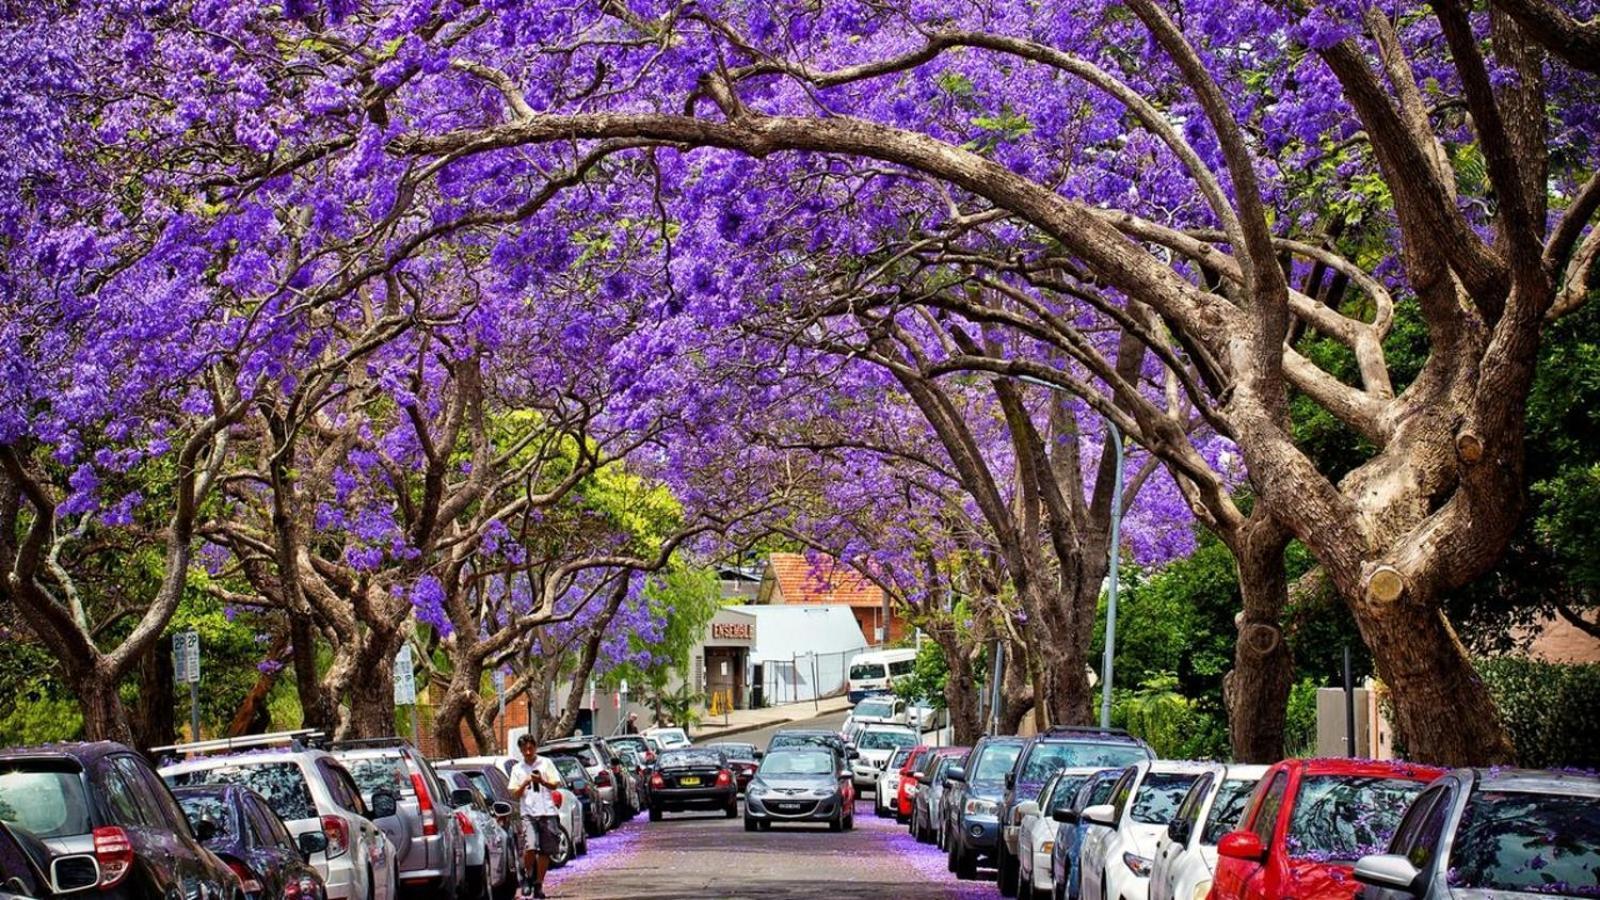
[[366, 743], [297, 740], [1086, 729]]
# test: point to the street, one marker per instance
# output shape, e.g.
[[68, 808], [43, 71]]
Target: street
[[695, 855]]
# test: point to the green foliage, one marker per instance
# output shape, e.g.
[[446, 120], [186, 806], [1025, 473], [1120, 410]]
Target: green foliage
[[927, 678], [1173, 725], [685, 599], [1300, 724], [38, 708], [1551, 710], [680, 705], [232, 643]]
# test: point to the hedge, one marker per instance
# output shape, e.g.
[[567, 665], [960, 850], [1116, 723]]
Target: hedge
[[1551, 709]]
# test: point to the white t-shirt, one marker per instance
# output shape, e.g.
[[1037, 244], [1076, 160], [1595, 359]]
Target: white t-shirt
[[536, 799]]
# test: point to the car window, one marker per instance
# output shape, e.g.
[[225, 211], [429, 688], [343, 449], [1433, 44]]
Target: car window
[[1227, 810], [1067, 787], [149, 806], [1045, 790], [798, 762], [1122, 791], [1189, 809], [885, 740], [874, 709], [994, 762], [1266, 813], [677, 759], [1517, 841], [19, 871], [866, 671], [1339, 817], [1156, 801], [160, 796], [281, 784], [44, 797], [339, 789], [1048, 757], [1411, 824], [572, 770], [273, 829], [380, 773], [121, 794], [200, 807]]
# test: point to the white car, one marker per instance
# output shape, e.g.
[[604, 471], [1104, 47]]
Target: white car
[[668, 738], [924, 716], [888, 786], [876, 744], [311, 791], [491, 776], [1186, 854], [1116, 860], [880, 709], [1036, 834]]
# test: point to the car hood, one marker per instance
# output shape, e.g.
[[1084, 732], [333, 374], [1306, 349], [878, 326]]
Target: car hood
[[792, 782], [1321, 881], [986, 790]]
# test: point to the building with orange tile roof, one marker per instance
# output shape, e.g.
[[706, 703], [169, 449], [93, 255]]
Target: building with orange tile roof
[[821, 580]]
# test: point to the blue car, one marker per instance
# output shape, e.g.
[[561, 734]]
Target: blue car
[[236, 824], [1093, 790], [976, 791]]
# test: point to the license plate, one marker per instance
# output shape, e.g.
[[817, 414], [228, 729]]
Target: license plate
[[689, 782], [788, 807]]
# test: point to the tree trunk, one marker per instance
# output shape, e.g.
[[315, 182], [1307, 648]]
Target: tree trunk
[[104, 716], [1444, 714], [458, 708], [371, 691], [1016, 695], [319, 709], [961, 699], [156, 722], [1257, 690]]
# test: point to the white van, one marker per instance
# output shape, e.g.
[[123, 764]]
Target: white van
[[872, 672]]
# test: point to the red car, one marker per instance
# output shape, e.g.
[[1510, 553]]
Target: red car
[[902, 799], [1307, 824]]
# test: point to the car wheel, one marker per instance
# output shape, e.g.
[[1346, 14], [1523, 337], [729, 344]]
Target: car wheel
[[850, 822], [563, 852], [749, 824], [966, 865], [837, 822], [1025, 886], [950, 857], [372, 886], [1008, 871], [655, 813], [732, 811]]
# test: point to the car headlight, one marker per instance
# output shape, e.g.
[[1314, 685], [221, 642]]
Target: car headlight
[[757, 790], [1137, 864], [822, 792], [1202, 890], [981, 809], [1047, 847]]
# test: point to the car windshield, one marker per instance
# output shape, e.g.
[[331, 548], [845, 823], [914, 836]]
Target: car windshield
[[678, 759], [1343, 817], [874, 709], [867, 671], [281, 783], [198, 808], [885, 740], [798, 762], [899, 757], [1227, 810], [735, 751], [1156, 802], [794, 739], [1049, 757], [672, 737], [46, 801], [1517, 841], [1064, 788], [380, 773], [582, 754], [995, 761]]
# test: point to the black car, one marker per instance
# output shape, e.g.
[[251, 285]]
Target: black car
[[693, 778], [800, 783], [237, 825], [744, 759], [104, 799], [596, 815], [29, 870]]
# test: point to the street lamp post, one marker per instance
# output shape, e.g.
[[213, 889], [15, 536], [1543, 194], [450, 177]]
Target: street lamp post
[[1108, 663]]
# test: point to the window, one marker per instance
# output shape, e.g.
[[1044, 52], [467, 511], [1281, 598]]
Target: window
[[1412, 825], [1227, 810], [1098, 790], [874, 709], [281, 784], [1265, 819], [1049, 757], [1122, 790], [149, 806], [160, 797], [1343, 817], [867, 672], [902, 668], [201, 807], [798, 762], [387, 773], [47, 800], [885, 740], [1156, 802], [1516, 841], [121, 795], [273, 831], [1065, 789], [1189, 810], [995, 761]]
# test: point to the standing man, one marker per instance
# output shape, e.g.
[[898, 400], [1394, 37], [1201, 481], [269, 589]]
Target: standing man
[[533, 781], [633, 724]]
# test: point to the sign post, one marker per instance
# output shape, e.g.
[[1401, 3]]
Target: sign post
[[186, 669], [405, 689], [500, 695]]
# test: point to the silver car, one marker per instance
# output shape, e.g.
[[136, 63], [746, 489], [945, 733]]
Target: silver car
[[1481, 833], [310, 791], [424, 829], [490, 775], [490, 872]]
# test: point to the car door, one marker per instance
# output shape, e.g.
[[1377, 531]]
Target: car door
[[1236, 878], [151, 846], [201, 873], [1170, 850]]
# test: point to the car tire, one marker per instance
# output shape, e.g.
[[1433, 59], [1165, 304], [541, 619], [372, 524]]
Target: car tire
[[966, 864], [850, 822], [749, 824], [1025, 887], [837, 822], [655, 813], [950, 857], [372, 886], [1008, 871], [732, 810]]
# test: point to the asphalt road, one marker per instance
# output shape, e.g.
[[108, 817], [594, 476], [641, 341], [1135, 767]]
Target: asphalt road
[[759, 737], [689, 856]]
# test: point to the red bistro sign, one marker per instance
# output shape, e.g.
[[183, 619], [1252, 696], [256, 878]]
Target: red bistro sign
[[739, 631]]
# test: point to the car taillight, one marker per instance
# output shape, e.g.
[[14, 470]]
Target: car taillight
[[309, 889], [466, 823], [292, 891], [603, 779], [724, 778], [114, 852], [649, 758], [247, 878], [338, 832], [657, 781], [430, 823]]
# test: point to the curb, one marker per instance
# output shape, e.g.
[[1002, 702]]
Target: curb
[[731, 730]]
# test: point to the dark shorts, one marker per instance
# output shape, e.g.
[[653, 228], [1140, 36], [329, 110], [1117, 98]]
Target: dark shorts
[[541, 834]]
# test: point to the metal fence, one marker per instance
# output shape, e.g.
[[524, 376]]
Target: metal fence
[[806, 676]]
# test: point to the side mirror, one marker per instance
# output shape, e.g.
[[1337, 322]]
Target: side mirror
[[383, 805], [1011, 780], [853, 752], [1245, 845], [1387, 870], [1178, 830], [760, 755], [502, 808], [205, 830], [956, 773], [1100, 814], [74, 872], [1025, 809], [1065, 815], [311, 843], [460, 797]]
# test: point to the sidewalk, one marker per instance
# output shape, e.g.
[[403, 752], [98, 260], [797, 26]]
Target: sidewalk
[[742, 720]]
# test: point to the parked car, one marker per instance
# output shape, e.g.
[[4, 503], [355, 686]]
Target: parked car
[[1116, 862], [104, 800], [637, 772], [926, 715], [976, 791], [668, 738], [926, 824], [29, 871], [313, 793], [693, 778], [1036, 834], [743, 759], [887, 787], [641, 743], [427, 837], [874, 746], [878, 709], [602, 766], [800, 783], [1186, 855], [490, 775], [1484, 833], [597, 819], [1072, 829], [490, 870], [237, 825], [1074, 749], [1308, 823], [917, 764]]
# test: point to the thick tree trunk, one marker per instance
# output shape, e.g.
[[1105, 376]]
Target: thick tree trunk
[[371, 690], [1444, 714], [1257, 690], [104, 716], [319, 709], [156, 722], [458, 708], [1017, 697]]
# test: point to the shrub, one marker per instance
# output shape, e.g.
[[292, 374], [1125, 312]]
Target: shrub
[[1551, 709]]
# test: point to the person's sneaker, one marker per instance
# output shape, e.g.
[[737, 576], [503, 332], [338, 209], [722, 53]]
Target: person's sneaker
[[538, 892]]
